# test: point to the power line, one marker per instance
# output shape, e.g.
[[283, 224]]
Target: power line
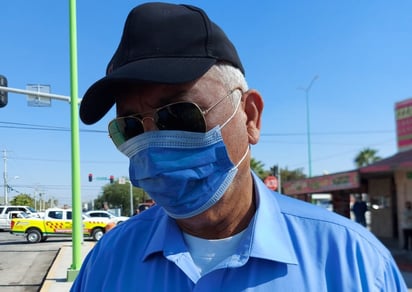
[[62, 160], [362, 132], [24, 126]]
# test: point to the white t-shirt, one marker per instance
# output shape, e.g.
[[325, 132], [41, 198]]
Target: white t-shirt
[[208, 253]]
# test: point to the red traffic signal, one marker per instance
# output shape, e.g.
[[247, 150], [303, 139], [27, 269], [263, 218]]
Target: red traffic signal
[[90, 177], [111, 179]]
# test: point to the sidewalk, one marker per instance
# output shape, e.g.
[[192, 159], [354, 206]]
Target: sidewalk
[[402, 257], [56, 279]]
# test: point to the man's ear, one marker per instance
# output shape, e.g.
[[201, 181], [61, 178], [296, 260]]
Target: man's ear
[[253, 104]]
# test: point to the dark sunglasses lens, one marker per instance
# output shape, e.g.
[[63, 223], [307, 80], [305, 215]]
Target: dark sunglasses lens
[[123, 129], [183, 116]]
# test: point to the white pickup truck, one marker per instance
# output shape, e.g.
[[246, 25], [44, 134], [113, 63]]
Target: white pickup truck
[[5, 217]]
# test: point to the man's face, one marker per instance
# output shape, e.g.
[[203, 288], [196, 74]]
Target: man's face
[[204, 92]]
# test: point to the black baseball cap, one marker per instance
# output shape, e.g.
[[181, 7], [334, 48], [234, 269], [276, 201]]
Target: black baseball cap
[[161, 43]]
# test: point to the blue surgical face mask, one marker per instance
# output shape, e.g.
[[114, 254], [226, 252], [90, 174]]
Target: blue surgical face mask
[[184, 172]]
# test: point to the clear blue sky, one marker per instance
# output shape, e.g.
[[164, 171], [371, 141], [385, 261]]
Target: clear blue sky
[[361, 51]]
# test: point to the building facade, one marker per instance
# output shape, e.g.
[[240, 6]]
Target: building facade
[[387, 183]]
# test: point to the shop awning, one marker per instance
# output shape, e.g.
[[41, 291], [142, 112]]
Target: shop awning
[[401, 160]]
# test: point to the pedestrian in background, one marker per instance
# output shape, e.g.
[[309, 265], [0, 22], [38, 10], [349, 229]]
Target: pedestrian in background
[[359, 209], [186, 119]]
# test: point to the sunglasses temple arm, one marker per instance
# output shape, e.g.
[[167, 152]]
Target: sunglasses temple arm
[[206, 111]]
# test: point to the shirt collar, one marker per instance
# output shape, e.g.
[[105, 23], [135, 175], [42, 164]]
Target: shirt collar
[[271, 239], [267, 236], [167, 238]]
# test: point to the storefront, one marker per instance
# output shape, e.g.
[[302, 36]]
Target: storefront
[[387, 184], [389, 187], [339, 185]]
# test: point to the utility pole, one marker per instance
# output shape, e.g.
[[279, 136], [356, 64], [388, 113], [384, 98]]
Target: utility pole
[[279, 176], [306, 90], [6, 186], [131, 197], [40, 202]]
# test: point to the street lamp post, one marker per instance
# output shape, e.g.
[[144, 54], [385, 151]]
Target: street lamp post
[[306, 90]]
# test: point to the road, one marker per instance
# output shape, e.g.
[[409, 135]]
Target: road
[[24, 266]]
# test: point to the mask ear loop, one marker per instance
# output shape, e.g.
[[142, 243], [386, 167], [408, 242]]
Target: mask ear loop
[[234, 112], [243, 157], [227, 121]]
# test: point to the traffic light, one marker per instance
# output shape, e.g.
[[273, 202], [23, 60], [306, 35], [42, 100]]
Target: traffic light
[[275, 170], [111, 179], [90, 177], [3, 94]]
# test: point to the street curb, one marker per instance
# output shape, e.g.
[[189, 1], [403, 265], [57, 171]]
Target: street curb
[[56, 279]]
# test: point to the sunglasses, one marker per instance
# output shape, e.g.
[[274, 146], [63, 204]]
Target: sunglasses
[[180, 116]]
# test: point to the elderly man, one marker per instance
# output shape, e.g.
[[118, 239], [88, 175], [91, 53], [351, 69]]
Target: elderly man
[[186, 119]]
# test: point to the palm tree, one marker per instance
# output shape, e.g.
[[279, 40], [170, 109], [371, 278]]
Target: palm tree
[[366, 156], [257, 167]]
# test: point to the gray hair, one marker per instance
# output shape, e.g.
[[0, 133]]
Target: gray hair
[[231, 77]]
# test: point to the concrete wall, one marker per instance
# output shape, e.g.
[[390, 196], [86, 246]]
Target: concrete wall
[[380, 195], [403, 183]]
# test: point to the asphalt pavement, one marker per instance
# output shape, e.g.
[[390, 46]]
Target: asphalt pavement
[[403, 259], [56, 279]]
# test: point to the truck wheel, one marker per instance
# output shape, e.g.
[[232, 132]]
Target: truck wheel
[[97, 234], [33, 236]]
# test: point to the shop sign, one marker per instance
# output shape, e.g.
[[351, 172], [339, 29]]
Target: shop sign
[[326, 183], [403, 113]]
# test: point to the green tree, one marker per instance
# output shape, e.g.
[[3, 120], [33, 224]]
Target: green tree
[[285, 173], [291, 175], [366, 156], [117, 195], [22, 200]]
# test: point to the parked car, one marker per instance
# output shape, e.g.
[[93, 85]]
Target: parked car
[[101, 214]]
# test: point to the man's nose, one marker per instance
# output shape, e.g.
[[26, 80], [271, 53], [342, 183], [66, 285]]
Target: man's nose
[[149, 124]]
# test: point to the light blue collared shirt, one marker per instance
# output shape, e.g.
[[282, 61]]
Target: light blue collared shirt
[[289, 245]]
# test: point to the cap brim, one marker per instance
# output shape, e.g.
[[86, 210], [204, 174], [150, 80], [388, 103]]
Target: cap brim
[[100, 97]]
